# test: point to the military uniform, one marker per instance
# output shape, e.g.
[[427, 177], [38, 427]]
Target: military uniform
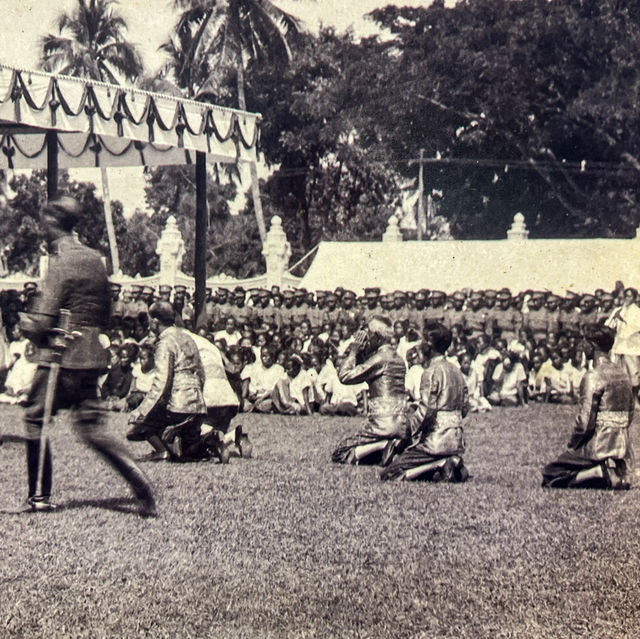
[[475, 317], [536, 320], [117, 305], [372, 307], [568, 315], [435, 313], [77, 281], [455, 315], [507, 321]]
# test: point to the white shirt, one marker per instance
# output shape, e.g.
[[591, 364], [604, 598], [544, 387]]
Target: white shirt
[[216, 391], [261, 379], [412, 381]]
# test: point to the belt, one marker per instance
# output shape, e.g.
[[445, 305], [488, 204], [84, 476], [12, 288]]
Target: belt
[[613, 418], [449, 418]]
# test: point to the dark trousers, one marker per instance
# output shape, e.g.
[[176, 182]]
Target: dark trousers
[[76, 390], [184, 425], [564, 471]]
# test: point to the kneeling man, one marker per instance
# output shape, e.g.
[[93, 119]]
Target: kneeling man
[[437, 443], [174, 406], [384, 370], [599, 452]]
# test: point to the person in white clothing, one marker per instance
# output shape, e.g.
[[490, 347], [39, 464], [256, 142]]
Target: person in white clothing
[[222, 406], [625, 320], [259, 380], [291, 394], [229, 334]]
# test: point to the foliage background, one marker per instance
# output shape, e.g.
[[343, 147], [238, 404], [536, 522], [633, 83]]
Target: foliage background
[[522, 105]]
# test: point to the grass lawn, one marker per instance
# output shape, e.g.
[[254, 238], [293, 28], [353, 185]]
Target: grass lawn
[[289, 545]]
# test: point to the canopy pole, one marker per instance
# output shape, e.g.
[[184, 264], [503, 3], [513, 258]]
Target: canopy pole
[[52, 163], [202, 225]]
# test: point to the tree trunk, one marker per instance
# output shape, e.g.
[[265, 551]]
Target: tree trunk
[[108, 218], [253, 166]]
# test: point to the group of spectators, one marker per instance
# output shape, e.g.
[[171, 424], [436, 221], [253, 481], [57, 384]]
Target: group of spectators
[[282, 350]]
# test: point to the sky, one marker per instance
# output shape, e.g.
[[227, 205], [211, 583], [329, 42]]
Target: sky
[[24, 22]]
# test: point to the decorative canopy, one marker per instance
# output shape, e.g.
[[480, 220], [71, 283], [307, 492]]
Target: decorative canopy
[[100, 124]]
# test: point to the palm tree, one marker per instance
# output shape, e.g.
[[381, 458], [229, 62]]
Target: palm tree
[[91, 44], [230, 35]]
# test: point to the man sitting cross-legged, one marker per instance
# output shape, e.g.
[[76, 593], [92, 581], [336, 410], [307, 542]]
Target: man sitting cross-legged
[[599, 453], [437, 443], [384, 370]]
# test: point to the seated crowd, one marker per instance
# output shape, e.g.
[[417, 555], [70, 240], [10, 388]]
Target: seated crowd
[[282, 350]]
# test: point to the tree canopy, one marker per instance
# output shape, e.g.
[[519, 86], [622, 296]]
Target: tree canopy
[[519, 105]]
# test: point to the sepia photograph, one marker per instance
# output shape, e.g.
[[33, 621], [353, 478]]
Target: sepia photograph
[[320, 319]]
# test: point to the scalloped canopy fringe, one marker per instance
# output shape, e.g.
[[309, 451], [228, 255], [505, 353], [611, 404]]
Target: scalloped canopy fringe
[[100, 124]]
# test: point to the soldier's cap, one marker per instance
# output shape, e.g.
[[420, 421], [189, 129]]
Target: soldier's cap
[[553, 298], [339, 290], [136, 288], [538, 295], [420, 296], [208, 290], [490, 294], [299, 293], [180, 288], [372, 292], [222, 291], [66, 210], [506, 290], [34, 285], [399, 295], [607, 296], [276, 295], [263, 292], [275, 288], [349, 294], [164, 288], [424, 291], [570, 295], [459, 295], [476, 295], [321, 294], [238, 290], [148, 289], [438, 294], [588, 298], [503, 295], [410, 295]]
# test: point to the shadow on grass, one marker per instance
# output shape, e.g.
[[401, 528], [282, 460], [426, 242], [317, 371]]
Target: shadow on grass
[[115, 504], [126, 505]]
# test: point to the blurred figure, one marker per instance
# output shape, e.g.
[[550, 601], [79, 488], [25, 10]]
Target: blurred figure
[[76, 281]]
